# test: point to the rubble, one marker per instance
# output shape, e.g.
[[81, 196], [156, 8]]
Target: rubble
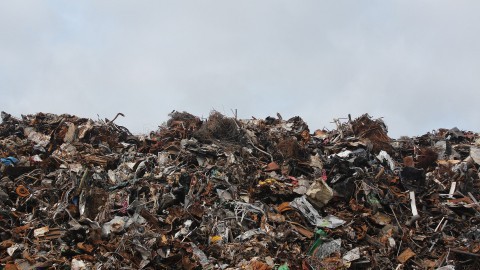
[[224, 193]]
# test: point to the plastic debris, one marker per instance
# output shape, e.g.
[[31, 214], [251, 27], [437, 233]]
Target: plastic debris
[[302, 204]]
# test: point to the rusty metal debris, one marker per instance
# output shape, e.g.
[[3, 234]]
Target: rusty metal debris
[[224, 193], [22, 191]]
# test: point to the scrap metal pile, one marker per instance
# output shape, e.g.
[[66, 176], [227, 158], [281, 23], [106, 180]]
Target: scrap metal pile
[[223, 193]]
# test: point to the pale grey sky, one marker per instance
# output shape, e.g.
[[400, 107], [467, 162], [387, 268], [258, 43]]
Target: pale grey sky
[[415, 63]]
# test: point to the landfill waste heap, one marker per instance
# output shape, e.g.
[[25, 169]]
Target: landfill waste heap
[[224, 193]]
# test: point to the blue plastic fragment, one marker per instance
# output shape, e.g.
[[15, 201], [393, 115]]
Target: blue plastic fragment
[[9, 161]]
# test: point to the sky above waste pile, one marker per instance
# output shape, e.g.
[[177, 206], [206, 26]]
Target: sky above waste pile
[[414, 63]]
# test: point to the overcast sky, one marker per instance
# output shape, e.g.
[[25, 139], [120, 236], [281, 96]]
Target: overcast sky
[[415, 63]]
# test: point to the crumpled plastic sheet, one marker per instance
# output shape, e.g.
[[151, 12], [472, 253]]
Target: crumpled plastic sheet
[[312, 215]]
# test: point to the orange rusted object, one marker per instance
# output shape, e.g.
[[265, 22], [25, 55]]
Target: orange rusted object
[[272, 166], [22, 191]]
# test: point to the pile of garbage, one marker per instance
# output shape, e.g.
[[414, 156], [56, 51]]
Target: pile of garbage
[[224, 193]]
